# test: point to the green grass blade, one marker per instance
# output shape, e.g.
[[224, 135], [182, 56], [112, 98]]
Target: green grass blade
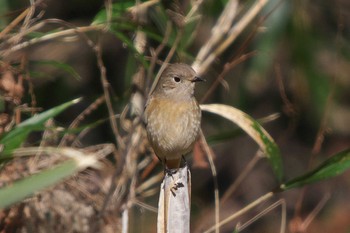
[[28, 186], [18, 135], [333, 166], [254, 130]]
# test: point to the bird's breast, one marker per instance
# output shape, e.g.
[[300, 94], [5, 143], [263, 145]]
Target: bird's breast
[[172, 126]]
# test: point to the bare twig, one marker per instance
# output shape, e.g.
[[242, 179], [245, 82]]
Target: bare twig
[[323, 126], [105, 86], [227, 68], [289, 108], [131, 142], [80, 117]]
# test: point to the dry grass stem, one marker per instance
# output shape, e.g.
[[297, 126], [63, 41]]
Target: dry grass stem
[[220, 29], [142, 6], [82, 158], [51, 36], [314, 213], [14, 23], [241, 212], [201, 65], [107, 97], [210, 156], [193, 10], [150, 182], [281, 203]]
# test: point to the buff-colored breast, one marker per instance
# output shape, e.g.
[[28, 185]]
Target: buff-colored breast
[[172, 126]]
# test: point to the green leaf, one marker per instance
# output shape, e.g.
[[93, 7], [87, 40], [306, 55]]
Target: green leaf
[[333, 166], [27, 186], [18, 135], [118, 9], [254, 130]]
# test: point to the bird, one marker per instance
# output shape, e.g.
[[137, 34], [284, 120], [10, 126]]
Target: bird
[[172, 114]]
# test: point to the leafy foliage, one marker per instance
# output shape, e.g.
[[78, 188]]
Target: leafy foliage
[[334, 166], [13, 139]]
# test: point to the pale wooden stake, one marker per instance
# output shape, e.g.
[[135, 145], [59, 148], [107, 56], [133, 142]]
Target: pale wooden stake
[[174, 202]]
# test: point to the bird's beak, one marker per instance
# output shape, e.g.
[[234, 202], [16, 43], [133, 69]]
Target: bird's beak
[[198, 79]]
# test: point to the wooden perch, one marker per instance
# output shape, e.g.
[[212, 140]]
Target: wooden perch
[[174, 202]]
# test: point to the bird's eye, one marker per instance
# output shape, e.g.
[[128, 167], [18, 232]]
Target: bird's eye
[[177, 79]]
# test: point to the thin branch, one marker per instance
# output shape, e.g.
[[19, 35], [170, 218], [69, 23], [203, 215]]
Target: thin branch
[[80, 117], [289, 109], [105, 86], [227, 67]]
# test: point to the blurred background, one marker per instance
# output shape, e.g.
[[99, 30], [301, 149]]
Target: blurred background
[[297, 67]]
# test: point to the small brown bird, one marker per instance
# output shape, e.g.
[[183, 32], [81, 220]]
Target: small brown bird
[[172, 114]]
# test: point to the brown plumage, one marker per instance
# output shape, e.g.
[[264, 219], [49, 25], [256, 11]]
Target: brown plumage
[[172, 114]]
